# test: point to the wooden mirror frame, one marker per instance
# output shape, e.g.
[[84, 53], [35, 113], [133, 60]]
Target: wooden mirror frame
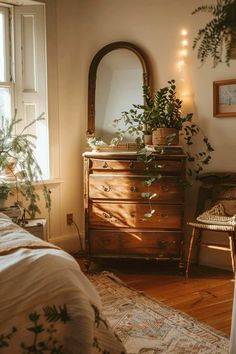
[[93, 74]]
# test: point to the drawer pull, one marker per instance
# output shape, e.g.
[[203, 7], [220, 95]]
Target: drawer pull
[[161, 244], [161, 166], [165, 188], [164, 216], [106, 188], [133, 214], [105, 164], [133, 189], [107, 215], [132, 165]]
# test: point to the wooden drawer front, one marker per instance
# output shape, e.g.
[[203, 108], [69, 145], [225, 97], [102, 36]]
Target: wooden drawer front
[[159, 244], [130, 188], [98, 165], [132, 215]]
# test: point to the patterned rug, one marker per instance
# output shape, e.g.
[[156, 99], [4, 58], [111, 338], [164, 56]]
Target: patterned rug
[[147, 326]]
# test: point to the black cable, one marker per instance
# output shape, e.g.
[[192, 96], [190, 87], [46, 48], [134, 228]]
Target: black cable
[[77, 228]]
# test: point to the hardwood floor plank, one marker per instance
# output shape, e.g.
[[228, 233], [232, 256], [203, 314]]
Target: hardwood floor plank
[[207, 295]]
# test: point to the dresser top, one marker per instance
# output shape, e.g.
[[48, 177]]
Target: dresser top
[[168, 151]]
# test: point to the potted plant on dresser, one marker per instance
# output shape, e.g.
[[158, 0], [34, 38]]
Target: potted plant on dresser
[[161, 115]]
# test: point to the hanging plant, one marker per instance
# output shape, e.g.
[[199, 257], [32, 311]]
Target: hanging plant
[[218, 38]]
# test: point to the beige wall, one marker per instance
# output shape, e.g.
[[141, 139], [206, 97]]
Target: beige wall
[[77, 29]]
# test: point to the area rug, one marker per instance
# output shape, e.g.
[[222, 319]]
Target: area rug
[[147, 326]]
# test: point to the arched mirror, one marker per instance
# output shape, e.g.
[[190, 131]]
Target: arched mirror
[[116, 76]]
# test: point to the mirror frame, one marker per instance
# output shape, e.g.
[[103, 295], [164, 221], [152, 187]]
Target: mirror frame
[[93, 75]]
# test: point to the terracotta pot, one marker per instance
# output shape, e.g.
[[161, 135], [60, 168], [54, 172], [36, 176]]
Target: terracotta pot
[[165, 136], [148, 139]]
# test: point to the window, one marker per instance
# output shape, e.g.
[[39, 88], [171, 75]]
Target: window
[[5, 74], [23, 84]]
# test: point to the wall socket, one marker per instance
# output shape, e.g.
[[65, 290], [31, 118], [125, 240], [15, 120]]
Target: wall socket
[[69, 219]]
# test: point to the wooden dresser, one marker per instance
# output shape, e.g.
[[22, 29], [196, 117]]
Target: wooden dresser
[[114, 208]]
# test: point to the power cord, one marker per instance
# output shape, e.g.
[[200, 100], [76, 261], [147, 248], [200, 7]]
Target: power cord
[[79, 235]]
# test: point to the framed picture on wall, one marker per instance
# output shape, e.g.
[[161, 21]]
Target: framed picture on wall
[[224, 98]]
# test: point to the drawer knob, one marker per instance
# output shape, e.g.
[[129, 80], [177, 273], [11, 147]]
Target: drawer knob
[[105, 164], [161, 166], [164, 216], [132, 164], [107, 215], [161, 244], [133, 189], [165, 188], [106, 188]]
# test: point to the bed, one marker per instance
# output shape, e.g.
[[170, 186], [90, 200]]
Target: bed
[[47, 305]]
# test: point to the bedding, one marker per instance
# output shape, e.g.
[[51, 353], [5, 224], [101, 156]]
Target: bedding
[[46, 301]]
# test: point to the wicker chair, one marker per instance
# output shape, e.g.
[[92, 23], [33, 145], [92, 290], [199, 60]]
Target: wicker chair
[[217, 188]]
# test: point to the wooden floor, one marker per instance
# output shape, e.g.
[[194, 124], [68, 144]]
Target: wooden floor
[[207, 295]]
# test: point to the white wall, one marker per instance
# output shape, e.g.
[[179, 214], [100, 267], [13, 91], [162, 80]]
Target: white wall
[[77, 29]]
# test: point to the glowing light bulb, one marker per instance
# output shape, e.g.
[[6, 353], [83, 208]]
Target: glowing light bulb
[[184, 32], [183, 52], [184, 42]]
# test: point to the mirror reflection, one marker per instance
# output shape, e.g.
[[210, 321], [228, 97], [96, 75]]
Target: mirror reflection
[[118, 85]]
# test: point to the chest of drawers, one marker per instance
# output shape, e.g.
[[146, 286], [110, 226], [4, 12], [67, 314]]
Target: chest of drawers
[[115, 225]]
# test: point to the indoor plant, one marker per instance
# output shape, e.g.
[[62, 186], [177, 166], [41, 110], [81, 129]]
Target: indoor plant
[[17, 156], [162, 109], [219, 34]]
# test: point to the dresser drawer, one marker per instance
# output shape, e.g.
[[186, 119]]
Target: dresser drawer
[[131, 187], [132, 215], [165, 244], [99, 165]]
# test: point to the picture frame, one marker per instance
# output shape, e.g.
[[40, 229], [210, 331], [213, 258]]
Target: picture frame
[[224, 98]]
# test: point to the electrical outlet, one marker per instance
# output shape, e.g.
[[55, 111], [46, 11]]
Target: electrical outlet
[[69, 219]]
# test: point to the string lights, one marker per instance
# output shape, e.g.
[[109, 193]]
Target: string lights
[[181, 64]]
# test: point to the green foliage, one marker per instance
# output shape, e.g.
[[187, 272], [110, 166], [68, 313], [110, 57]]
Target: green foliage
[[94, 141], [219, 34], [162, 109], [18, 149]]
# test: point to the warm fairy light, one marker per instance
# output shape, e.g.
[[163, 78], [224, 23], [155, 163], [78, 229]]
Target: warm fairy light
[[184, 32], [184, 42], [184, 94], [181, 65], [184, 52]]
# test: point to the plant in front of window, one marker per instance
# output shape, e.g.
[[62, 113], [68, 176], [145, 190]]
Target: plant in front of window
[[19, 168], [218, 37]]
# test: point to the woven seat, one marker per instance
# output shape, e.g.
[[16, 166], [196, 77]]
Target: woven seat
[[215, 218], [200, 225]]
